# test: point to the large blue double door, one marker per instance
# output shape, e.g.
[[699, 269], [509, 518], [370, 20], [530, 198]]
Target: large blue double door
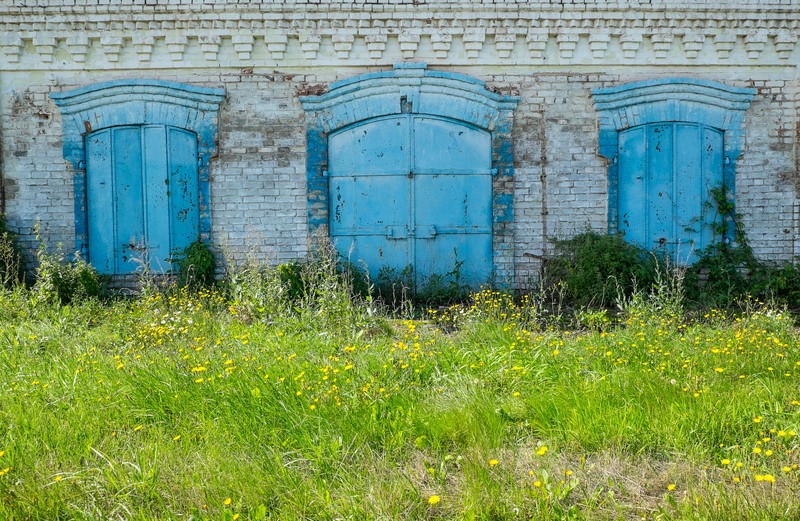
[[413, 192]]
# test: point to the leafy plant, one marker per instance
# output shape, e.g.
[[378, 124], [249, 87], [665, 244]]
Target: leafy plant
[[12, 267], [443, 289], [728, 270], [257, 292], [196, 265], [402, 289], [597, 268], [61, 281], [300, 278]]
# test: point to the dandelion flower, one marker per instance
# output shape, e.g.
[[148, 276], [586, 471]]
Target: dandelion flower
[[542, 450], [726, 462], [671, 487], [227, 501], [432, 500], [493, 462]]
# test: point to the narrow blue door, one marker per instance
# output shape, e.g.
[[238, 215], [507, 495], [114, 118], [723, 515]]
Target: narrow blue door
[[142, 196], [413, 191], [666, 174]]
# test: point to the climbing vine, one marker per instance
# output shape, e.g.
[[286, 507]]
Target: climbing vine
[[728, 270]]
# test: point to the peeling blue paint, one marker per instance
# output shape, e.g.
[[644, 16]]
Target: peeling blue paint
[[137, 102]]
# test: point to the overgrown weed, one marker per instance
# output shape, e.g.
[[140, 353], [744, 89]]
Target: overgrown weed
[[63, 281], [12, 265]]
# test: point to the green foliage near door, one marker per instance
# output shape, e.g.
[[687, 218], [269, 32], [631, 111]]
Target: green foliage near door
[[598, 269], [195, 265], [12, 266]]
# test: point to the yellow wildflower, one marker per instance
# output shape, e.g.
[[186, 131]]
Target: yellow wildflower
[[542, 450]]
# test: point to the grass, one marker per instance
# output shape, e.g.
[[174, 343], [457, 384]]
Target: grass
[[223, 405]]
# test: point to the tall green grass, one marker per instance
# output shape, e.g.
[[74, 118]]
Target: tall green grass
[[251, 401]]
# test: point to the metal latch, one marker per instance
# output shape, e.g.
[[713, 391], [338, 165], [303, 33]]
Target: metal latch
[[425, 232], [397, 232]]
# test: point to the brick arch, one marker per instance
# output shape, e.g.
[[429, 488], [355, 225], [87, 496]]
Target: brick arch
[[673, 99]]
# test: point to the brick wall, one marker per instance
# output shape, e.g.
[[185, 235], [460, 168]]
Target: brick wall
[[550, 53]]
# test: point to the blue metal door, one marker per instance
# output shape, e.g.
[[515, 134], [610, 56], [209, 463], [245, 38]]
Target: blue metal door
[[413, 190], [142, 196], [666, 174]]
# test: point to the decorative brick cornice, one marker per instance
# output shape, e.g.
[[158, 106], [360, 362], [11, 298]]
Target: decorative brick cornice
[[283, 33]]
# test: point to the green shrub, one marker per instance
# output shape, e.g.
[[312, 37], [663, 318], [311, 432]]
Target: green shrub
[[256, 292], [319, 291], [60, 281], [596, 269], [195, 265], [443, 289], [729, 273], [12, 268], [290, 275], [784, 284], [302, 278]]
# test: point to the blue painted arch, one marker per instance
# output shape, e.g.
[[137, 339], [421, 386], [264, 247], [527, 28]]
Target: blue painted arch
[[137, 102], [412, 88], [673, 100]]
